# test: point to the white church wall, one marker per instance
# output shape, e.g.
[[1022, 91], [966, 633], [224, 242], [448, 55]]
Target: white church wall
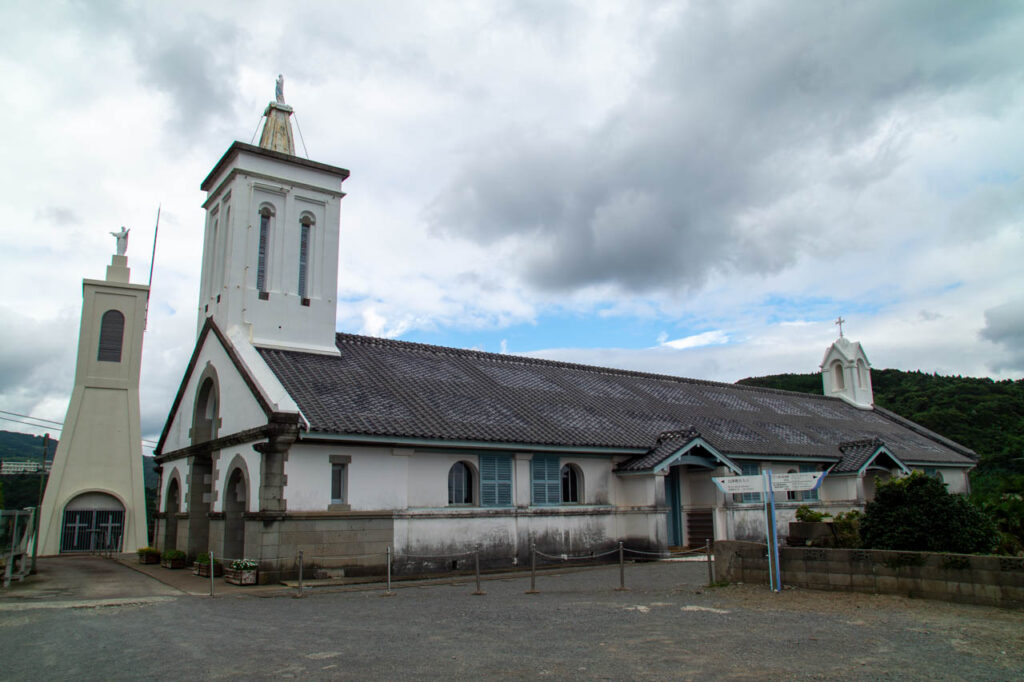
[[375, 477], [239, 412], [180, 467]]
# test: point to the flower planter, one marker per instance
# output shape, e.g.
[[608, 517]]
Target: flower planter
[[240, 577], [149, 558], [172, 563], [203, 570]]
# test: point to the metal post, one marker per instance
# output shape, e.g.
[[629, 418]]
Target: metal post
[[387, 589], [622, 570], [212, 571], [39, 504], [300, 572], [533, 569], [10, 564], [711, 569], [476, 563]]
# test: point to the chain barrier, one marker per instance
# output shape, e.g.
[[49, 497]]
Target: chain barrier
[[391, 556]]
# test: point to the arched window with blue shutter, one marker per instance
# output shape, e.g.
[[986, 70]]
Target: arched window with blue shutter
[[111, 336]]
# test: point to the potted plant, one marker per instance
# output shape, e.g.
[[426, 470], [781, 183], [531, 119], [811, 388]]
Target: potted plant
[[202, 566], [173, 558], [148, 555], [242, 572]]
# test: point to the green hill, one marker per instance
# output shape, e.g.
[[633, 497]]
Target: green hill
[[22, 490], [24, 447], [985, 415]]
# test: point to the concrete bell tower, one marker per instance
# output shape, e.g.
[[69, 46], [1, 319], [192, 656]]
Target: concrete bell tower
[[270, 253], [846, 372], [95, 496]]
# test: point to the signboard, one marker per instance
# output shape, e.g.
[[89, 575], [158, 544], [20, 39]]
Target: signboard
[[740, 484], [780, 483], [787, 482], [768, 484]]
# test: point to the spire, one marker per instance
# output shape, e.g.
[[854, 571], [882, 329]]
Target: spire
[[277, 129]]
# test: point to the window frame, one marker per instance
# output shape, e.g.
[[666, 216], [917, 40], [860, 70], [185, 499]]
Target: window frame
[[266, 214], [545, 481], [496, 477], [306, 223], [467, 484], [575, 476], [340, 474], [112, 323], [748, 469]]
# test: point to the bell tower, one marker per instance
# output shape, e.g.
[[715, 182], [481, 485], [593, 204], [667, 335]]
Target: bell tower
[[846, 372], [95, 496], [270, 252]]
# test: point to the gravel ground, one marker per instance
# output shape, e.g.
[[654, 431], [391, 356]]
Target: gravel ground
[[666, 626]]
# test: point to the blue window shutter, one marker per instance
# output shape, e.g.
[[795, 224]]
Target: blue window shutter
[[546, 485], [809, 495], [495, 481], [749, 469]]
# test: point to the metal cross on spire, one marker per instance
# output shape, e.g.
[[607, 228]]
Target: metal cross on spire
[[839, 321]]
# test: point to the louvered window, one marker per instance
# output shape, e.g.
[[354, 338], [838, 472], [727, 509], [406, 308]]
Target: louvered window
[[304, 231], [261, 260], [748, 469], [546, 480], [495, 480], [111, 335]]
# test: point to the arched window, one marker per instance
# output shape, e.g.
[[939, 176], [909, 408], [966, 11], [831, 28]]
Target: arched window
[[206, 419], [111, 336], [266, 214], [862, 374], [305, 233], [460, 484], [571, 488], [839, 381]]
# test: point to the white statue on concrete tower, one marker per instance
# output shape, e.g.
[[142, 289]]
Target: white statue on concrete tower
[[279, 89], [122, 240]]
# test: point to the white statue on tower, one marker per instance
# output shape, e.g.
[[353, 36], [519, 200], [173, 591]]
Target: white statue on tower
[[122, 240], [279, 89]]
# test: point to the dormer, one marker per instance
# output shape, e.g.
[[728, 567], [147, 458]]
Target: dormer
[[846, 373]]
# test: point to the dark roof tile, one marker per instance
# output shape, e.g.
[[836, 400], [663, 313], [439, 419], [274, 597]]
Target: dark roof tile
[[398, 389]]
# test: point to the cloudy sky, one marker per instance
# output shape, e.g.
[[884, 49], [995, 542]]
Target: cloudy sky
[[694, 188]]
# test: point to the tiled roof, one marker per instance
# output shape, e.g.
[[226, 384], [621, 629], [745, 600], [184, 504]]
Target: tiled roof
[[855, 454], [380, 387]]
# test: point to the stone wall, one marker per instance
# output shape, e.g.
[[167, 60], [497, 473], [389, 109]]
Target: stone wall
[[968, 578]]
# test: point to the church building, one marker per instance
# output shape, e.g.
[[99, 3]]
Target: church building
[[285, 435]]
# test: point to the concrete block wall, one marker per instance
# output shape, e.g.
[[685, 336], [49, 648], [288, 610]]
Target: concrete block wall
[[967, 578]]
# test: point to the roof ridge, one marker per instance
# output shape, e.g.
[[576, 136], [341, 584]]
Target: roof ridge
[[345, 337], [926, 432]]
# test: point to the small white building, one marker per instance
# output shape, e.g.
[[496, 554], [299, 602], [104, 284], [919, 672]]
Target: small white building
[[286, 436]]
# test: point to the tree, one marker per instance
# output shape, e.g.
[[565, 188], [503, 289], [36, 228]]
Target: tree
[[917, 513]]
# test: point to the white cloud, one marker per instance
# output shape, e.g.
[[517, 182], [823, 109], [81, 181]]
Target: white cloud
[[715, 337]]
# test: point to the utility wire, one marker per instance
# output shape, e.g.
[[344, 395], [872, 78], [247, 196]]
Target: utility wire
[[55, 425], [299, 128]]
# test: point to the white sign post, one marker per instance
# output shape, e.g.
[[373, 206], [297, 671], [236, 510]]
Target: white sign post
[[766, 484]]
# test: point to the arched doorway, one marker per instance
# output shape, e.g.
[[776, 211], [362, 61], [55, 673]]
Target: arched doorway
[[172, 506], [235, 505], [92, 522]]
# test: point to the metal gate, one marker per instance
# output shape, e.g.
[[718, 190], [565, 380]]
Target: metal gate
[[92, 530]]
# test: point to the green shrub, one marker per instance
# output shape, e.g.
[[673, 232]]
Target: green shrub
[[145, 551], [172, 555], [807, 515], [917, 513], [846, 529], [203, 559]]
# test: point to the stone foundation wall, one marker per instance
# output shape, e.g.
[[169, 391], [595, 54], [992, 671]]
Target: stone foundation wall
[[967, 578]]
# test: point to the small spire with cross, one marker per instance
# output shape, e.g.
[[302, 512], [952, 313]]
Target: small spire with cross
[[839, 321]]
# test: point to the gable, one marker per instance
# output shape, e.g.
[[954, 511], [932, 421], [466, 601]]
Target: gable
[[244, 402]]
